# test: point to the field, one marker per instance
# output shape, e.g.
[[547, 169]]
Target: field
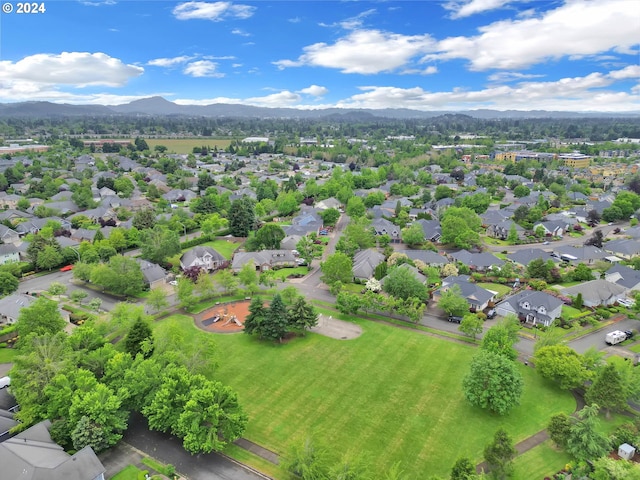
[[496, 287], [185, 145], [541, 461], [391, 395]]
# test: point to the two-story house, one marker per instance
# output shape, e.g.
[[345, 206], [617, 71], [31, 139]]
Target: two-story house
[[531, 307]]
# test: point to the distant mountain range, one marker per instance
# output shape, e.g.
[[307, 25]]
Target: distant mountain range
[[158, 106]]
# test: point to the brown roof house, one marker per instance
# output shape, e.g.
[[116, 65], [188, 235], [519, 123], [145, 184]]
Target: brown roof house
[[33, 455]]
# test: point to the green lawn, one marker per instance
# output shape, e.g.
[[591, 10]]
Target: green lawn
[[391, 395], [285, 272], [223, 247], [541, 461], [7, 355], [496, 287], [129, 472], [570, 312]]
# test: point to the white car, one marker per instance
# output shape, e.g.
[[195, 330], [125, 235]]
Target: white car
[[173, 282], [5, 382], [625, 302]]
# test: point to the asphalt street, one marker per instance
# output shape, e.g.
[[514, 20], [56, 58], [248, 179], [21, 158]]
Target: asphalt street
[[168, 448], [596, 339]]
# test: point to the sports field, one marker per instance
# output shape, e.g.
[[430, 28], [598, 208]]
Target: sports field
[[390, 395], [185, 145]]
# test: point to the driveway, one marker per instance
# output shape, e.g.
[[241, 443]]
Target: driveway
[[168, 449]]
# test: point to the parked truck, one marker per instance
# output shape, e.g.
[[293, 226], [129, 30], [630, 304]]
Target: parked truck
[[617, 336]]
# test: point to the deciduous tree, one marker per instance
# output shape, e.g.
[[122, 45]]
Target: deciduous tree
[[493, 383], [561, 364], [337, 268]]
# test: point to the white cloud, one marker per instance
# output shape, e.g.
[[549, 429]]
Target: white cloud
[[466, 8], [284, 98], [580, 94], [503, 77], [203, 68], [430, 70], [98, 3], [242, 33], [364, 52], [169, 62], [315, 91], [578, 27], [79, 69], [215, 12], [294, 20]]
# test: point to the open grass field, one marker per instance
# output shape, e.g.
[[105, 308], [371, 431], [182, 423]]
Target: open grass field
[[391, 395], [128, 473], [185, 145]]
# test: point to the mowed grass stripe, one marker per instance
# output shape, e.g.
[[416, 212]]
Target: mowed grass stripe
[[390, 395]]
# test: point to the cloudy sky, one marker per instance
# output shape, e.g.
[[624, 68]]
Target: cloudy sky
[[573, 55]]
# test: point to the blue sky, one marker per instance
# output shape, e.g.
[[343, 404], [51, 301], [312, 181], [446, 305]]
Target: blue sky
[[572, 55]]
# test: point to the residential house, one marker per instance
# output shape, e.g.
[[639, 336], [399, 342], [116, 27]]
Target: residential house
[[525, 256], [480, 262], [328, 203], [531, 307], [11, 305], [264, 260], [8, 235], [9, 253], [624, 276], [9, 200], [365, 263], [555, 228], [597, 292], [477, 297], [432, 259], [432, 229], [34, 225], [83, 235], [290, 242], [502, 229], [154, 275], [307, 221], [383, 226], [32, 454], [8, 406], [204, 257], [584, 254], [623, 248]]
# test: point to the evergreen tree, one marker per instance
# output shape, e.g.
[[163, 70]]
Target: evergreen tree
[[276, 319], [139, 333], [302, 316], [499, 455], [242, 217], [257, 313], [607, 390]]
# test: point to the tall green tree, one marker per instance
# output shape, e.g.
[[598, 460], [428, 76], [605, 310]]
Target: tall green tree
[[159, 243], [157, 299], [40, 318], [413, 235], [400, 282], [585, 441], [463, 469], [301, 315], [257, 314], [144, 219], [502, 337], [493, 383], [452, 301], [275, 323], [122, 276], [499, 455], [471, 325], [269, 236], [139, 339], [211, 419], [242, 217], [608, 390], [337, 268], [561, 364], [8, 283]]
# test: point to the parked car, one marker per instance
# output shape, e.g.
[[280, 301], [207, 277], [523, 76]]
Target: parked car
[[492, 313], [5, 382], [455, 319], [66, 268], [625, 302], [617, 336]]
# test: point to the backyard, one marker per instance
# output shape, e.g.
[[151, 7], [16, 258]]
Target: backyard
[[391, 395]]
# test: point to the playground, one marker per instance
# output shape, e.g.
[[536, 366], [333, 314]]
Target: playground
[[224, 318]]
